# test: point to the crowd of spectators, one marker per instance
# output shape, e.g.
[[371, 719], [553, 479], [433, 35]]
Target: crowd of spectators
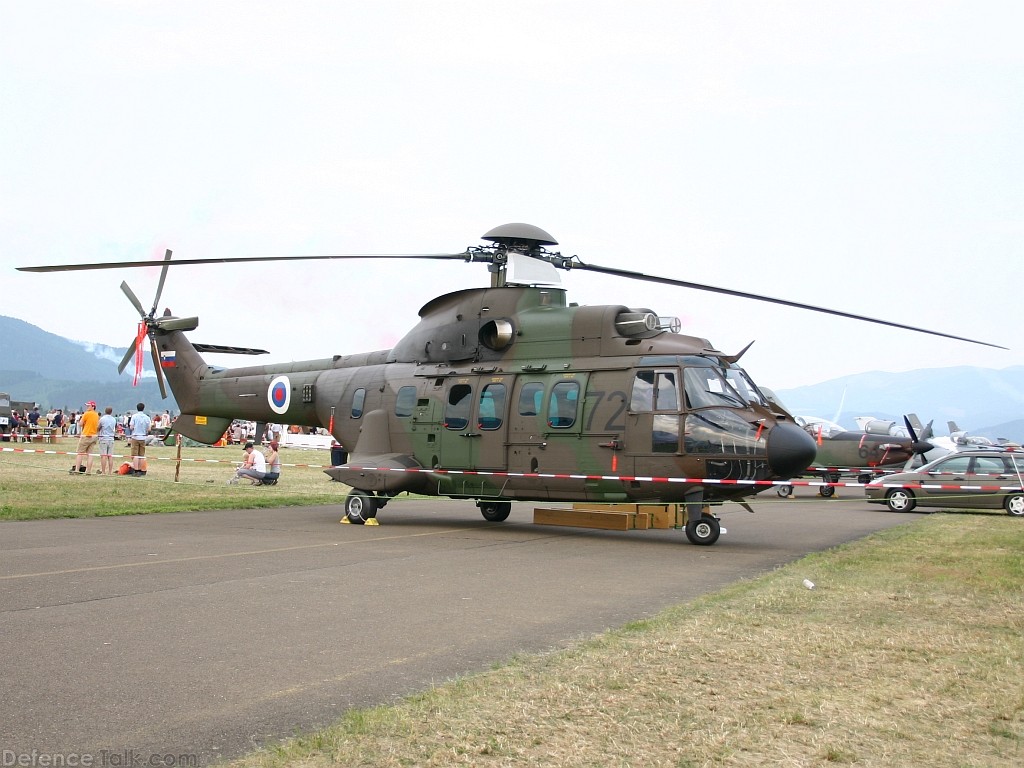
[[29, 424]]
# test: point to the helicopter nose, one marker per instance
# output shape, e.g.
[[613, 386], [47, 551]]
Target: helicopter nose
[[790, 449]]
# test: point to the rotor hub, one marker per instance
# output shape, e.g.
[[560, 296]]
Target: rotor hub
[[519, 236]]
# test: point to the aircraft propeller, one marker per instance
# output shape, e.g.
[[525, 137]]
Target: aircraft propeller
[[920, 442]]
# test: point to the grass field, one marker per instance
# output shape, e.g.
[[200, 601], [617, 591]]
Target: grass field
[[909, 651], [35, 484]]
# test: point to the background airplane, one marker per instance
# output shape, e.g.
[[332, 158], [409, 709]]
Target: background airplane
[[877, 447]]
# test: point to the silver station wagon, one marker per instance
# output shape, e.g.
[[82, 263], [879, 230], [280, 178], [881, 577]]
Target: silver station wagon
[[989, 478]]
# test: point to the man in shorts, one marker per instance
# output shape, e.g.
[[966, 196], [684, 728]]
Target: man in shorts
[[88, 430], [138, 432], [108, 424]]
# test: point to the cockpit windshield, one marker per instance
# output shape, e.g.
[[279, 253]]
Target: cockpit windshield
[[744, 386], [706, 387]]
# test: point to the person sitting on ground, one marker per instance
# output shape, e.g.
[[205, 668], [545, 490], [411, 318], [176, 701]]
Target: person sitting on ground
[[254, 467], [273, 464]]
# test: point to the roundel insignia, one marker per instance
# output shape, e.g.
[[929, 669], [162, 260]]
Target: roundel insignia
[[279, 394]]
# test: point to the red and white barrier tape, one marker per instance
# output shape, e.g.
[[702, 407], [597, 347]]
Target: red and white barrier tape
[[575, 476]]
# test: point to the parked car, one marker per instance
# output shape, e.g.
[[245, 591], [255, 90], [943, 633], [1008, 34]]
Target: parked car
[[989, 478]]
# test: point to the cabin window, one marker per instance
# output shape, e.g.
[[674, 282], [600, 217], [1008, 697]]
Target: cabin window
[[358, 401], [456, 409], [530, 397], [655, 391], [492, 406], [562, 406], [405, 402]]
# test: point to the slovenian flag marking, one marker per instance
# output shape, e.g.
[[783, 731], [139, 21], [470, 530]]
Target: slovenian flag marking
[[168, 359]]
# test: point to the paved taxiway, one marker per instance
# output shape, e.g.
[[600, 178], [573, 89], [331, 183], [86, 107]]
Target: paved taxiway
[[210, 633]]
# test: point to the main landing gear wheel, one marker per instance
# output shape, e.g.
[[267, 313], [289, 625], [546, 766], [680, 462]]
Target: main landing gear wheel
[[495, 511], [1014, 505], [704, 531], [827, 491], [900, 500], [360, 506]]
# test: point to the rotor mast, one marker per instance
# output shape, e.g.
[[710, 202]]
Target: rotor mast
[[514, 238]]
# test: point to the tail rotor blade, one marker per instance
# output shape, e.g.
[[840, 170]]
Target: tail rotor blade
[[133, 298], [127, 357], [160, 285], [177, 323], [158, 368]]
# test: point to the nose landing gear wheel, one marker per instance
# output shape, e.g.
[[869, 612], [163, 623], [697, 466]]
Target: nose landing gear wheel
[[703, 531]]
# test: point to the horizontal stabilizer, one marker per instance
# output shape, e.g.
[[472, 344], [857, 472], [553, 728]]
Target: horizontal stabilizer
[[387, 473], [202, 429], [221, 349]]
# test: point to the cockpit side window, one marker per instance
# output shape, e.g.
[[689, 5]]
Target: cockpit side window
[[655, 391], [666, 391]]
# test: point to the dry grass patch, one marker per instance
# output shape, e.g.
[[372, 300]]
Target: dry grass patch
[[909, 652]]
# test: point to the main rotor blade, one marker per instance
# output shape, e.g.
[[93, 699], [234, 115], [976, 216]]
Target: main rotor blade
[[758, 297], [160, 285], [132, 298], [465, 256]]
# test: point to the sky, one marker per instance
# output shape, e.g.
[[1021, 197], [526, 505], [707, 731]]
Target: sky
[[866, 157]]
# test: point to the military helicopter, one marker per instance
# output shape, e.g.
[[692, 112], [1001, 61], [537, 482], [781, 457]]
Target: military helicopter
[[509, 392]]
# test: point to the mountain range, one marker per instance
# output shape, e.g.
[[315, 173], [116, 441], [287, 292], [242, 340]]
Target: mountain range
[[37, 366], [62, 373], [984, 401]]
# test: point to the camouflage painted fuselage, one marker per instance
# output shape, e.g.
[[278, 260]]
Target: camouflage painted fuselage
[[860, 450], [510, 393]]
